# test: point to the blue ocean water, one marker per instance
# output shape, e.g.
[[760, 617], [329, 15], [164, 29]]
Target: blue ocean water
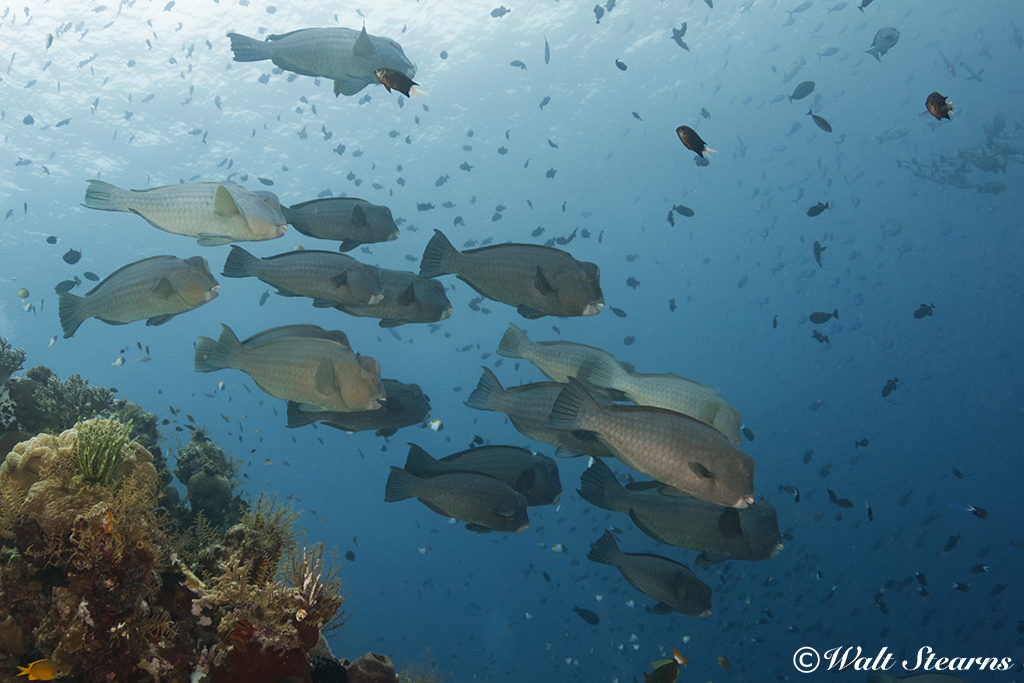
[[907, 224]]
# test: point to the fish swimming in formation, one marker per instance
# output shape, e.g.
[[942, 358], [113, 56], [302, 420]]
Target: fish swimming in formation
[[675, 449], [693, 142], [348, 57], [890, 386], [405, 406], [407, 298], [673, 585], [154, 289], [534, 476], [924, 311], [393, 79], [558, 360], [719, 533], [819, 121], [319, 374], [884, 40], [528, 407], [938, 106], [819, 317], [670, 392], [352, 221], [327, 277], [484, 503], [214, 213], [817, 209], [538, 280]]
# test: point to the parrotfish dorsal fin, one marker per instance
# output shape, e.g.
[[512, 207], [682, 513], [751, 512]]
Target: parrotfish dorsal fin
[[363, 47]]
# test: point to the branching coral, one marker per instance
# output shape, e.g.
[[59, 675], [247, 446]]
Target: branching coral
[[11, 360]]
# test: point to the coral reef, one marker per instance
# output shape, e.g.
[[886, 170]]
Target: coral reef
[[107, 575], [425, 671]]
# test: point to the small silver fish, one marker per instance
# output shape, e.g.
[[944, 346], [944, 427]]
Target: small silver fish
[[119, 362], [53, 340]]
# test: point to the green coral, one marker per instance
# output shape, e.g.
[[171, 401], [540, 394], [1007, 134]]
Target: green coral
[[98, 450]]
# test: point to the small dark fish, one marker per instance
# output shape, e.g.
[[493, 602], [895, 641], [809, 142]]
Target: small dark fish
[[822, 338], [819, 121], [587, 616], [862, 442], [619, 312], [844, 503], [705, 113], [818, 249], [881, 603], [693, 142], [547, 51], [863, 4], [683, 210], [544, 102], [980, 513], [671, 218], [962, 587], [890, 386], [444, 54], [801, 91], [622, 67], [924, 311], [871, 513], [264, 296], [91, 276], [393, 79], [266, 181], [546, 577], [749, 433], [598, 12], [979, 569], [951, 543], [67, 285], [672, 305], [791, 490], [424, 206], [637, 116], [818, 318], [72, 257], [51, 240], [938, 106], [817, 209], [628, 341], [350, 556], [775, 322], [825, 471], [632, 282], [677, 35], [499, 12], [519, 63]]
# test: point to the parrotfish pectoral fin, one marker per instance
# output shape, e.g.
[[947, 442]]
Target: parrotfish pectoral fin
[[224, 204], [208, 240]]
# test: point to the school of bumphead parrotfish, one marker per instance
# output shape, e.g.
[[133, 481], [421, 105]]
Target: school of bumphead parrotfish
[[683, 478]]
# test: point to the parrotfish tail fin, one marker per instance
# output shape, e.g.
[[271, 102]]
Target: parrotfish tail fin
[[240, 263], [485, 388], [873, 52], [421, 464], [216, 355], [570, 402], [605, 550], [598, 485], [248, 49], [400, 485], [513, 343], [603, 373], [97, 196], [835, 314], [297, 417], [70, 313], [438, 250]]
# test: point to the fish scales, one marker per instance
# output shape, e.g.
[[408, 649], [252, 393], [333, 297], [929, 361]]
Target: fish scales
[[154, 289], [214, 213], [407, 298], [673, 393], [327, 277], [672, 584], [673, 448], [535, 476], [558, 360], [316, 373], [687, 522], [529, 407], [349, 220]]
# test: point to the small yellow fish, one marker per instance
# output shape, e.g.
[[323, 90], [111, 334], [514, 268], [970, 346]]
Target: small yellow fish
[[41, 670], [22, 293], [436, 425], [724, 662]]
